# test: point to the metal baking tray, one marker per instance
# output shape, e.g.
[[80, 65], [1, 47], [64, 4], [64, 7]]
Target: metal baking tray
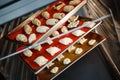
[[41, 68], [86, 48], [52, 28]]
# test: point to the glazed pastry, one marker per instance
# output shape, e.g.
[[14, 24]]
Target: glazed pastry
[[58, 15], [78, 50], [64, 29], [55, 33], [92, 42], [45, 15], [21, 37], [66, 41], [54, 70], [27, 29], [52, 50], [41, 60], [36, 22], [78, 33], [66, 61], [28, 53], [38, 48], [51, 22], [32, 38], [73, 24], [42, 29], [74, 2], [59, 6], [68, 8]]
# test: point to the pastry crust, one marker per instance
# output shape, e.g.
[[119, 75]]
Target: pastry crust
[[27, 29], [73, 24], [55, 33], [52, 50], [74, 2], [42, 29], [68, 8], [78, 33], [58, 15], [66, 61], [41, 60], [38, 48], [66, 41], [64, 29], [28, 53], [32, 38], [45, 14], [54, 70], [51, 21], [21, 37], [36, 22], [92, 42], [78, 50]]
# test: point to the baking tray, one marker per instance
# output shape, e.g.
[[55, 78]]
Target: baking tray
[[50, 8], [36, 71], [72, 56]]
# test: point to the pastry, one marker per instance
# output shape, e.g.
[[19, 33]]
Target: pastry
[[52, 50], [28, 53], [21, 37], [66, 41], [41, 60]]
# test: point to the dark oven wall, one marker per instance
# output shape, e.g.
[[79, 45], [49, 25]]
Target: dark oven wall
[[110, 28]]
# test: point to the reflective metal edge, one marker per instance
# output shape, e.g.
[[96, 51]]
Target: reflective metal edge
[[77, 59], [68, 47]]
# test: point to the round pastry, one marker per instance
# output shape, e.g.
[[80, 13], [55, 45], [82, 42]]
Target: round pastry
[[54, 70], [78, 50], [66, 61]]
